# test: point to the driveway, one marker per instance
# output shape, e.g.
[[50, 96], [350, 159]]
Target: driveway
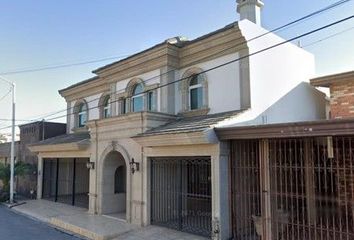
[[17, 227]]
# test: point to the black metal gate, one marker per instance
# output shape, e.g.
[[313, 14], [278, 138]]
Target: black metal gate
[[245, 189], [181, 194], [293, 188], [66, 180]]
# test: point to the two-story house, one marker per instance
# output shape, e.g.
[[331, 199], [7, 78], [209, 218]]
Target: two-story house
[[140, 143]]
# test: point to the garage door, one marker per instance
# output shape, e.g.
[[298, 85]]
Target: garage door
[[181, 194]]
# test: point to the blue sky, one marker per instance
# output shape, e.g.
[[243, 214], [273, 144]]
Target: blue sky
[[36, 33]]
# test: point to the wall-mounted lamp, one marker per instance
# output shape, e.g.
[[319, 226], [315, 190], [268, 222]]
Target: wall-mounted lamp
[[134, 166], [90, 165]]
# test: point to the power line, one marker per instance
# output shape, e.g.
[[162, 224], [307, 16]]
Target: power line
[[252, 39], [227, 63], [328, 37], [49, 67], [17, 120], [5, 95]]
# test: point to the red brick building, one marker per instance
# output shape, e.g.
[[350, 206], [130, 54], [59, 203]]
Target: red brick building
[[341, 87]]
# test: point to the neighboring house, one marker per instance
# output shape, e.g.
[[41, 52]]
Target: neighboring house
[[29, 133], [295, 180], [140, 143], [5, 152], [32, 133], [5, 155]]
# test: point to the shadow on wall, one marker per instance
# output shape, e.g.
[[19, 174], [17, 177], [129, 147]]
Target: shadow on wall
[[302, 103], [114, 184]]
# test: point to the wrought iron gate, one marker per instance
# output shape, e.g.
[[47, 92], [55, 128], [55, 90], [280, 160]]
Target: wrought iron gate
[[181, 194], [66, 180], [293, 188], [245, 188]]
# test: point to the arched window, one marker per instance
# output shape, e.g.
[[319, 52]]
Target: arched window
[[119, 180], [82, 115], [106, 107], [195, 92], [137, 103]]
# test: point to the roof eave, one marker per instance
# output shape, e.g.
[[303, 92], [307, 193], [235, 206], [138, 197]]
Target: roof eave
[[336, 127], [326, 81]]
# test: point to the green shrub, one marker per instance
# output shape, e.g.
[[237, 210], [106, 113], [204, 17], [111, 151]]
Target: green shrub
[[21, 169]]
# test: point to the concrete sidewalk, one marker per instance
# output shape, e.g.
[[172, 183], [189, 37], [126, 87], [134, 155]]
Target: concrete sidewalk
[[78, 221], [74, 219]]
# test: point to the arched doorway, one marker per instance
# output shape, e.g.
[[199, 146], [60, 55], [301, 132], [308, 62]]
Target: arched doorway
[[114, 185]]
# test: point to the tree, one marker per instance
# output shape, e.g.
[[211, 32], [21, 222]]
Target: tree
[[21, 169]]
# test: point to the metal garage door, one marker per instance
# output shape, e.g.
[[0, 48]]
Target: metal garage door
[[181, 194]]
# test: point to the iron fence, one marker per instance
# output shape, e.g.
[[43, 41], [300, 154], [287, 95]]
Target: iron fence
[[308, 183], [181, 194], [66, 180]]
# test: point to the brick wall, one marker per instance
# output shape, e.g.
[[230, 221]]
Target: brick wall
[[342, 99]]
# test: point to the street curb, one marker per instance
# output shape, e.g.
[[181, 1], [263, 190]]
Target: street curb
[[45, 223]]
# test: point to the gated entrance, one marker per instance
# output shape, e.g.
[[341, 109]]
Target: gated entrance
[[293, 188], [66, 180], [181, 194]]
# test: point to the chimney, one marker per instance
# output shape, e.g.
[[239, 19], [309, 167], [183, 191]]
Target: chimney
[[250, 9]]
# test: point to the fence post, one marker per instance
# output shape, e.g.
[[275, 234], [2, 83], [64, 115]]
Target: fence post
[[310, 183], [265, 186]]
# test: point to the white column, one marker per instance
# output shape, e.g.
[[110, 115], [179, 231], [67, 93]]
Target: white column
[[40, 177], [93, 188], [220, 194]]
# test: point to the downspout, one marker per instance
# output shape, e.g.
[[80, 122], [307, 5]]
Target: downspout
[[96, 161]]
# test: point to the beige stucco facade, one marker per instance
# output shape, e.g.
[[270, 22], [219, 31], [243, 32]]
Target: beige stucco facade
[[165, 69]]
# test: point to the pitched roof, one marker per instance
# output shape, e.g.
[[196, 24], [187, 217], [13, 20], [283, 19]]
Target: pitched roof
[[66, 138], [326, 81], [191, 124]]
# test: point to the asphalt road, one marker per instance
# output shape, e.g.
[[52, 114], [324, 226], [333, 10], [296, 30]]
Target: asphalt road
[[17, 227]]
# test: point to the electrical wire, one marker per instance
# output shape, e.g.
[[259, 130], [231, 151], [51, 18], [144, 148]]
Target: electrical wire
[[225, 64], [328, 37], [2, 98], [277, 29]]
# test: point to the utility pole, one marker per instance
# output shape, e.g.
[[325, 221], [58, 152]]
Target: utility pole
[[12, 164]]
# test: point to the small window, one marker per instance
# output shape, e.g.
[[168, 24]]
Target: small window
[[107, 107], [151, 100], [138, 98], [195, 92], [119, 180], [82, 115], [122, 103]]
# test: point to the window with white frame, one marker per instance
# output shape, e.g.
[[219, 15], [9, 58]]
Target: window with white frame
[[107, 107], [82, 115], [195, 92], [151, 101], [122, 106], [137, 99]]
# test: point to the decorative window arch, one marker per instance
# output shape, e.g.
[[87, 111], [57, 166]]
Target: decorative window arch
[[137, 98], [120, 180], [105, 106], [194, 90], [81, 113], [135, 91]]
